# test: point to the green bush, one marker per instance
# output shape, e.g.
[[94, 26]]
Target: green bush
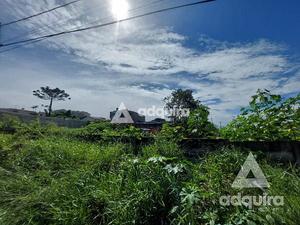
[[107, 132], [172, 133], [93, 131], [199, 126], [60, 180], [268, 117], [9, 123]]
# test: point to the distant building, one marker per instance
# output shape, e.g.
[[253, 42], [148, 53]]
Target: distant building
[[125, 116]]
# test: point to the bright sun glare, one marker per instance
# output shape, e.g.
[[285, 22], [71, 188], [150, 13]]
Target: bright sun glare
[[120, 9]]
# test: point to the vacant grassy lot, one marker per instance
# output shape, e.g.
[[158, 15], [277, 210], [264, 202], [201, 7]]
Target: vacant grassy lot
[[57, 178]]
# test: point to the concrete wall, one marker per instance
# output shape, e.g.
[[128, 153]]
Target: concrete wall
[[281, 151], [71, 123]]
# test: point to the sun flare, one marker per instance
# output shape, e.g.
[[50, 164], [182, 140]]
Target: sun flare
[[120, 9]]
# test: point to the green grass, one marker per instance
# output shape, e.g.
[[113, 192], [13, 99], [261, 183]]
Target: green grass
[[60, 180]]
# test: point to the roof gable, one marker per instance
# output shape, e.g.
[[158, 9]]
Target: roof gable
[[122, 116]]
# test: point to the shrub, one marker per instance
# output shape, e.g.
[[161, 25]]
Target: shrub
[[93, 131], [9, 123], [198, 125], [107, 132], [268, 117], [171, 133]]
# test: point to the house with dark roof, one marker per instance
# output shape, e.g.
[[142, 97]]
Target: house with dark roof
[[125, 116]]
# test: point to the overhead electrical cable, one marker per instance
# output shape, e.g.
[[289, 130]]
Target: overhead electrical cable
[[40, 13], [21, 45], [52, 26], [42, 39], [108, 23]]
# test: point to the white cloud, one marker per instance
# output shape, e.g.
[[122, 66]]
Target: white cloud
[[131, 54]]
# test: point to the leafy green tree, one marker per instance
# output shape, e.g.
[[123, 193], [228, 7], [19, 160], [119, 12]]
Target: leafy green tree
[[56, 94], [195, 123], [199, 124], [178, 101], [268, 117]]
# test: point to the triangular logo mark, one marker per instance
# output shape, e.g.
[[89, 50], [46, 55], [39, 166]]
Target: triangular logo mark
[[122, 106], [250, 174], [259, 180], [122, 115]]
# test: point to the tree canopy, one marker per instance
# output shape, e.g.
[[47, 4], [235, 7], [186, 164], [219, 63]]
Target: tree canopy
[[178, 101], [196, 123], [55, 94]]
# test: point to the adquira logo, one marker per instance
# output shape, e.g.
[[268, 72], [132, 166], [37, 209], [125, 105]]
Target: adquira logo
[[259, 181]]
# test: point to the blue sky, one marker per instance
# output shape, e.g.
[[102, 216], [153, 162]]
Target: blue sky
[[223, 50]]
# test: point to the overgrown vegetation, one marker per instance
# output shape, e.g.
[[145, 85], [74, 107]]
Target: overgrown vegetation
[[109, 174], [60, 179], [268, 117], [189, 115]]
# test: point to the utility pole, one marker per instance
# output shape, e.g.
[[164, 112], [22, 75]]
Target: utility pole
[[1, 44]]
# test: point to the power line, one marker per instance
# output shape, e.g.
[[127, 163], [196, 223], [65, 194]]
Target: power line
[[21, 45], [106, 24], [40, 13], [40, 30], [99, 20], [0, 34]]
